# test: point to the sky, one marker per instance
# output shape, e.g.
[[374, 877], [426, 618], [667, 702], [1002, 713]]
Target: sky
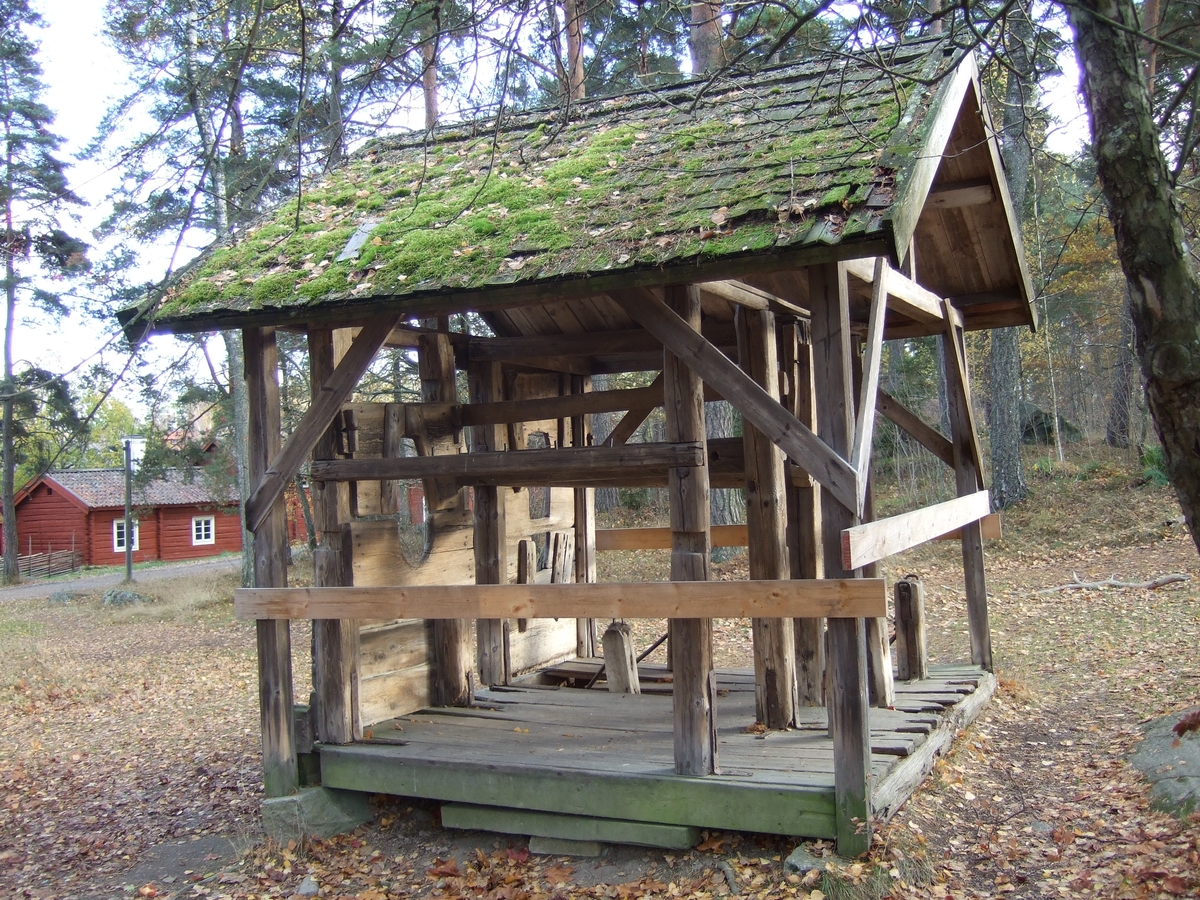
[[83, 75]]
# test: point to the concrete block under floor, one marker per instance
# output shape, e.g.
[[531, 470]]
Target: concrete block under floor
[[579, 829], [314, 812]]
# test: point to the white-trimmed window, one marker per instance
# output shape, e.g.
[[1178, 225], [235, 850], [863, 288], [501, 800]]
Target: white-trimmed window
[[204, 530], [119, 535]]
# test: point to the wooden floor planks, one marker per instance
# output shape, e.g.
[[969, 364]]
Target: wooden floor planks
[[593, 752]]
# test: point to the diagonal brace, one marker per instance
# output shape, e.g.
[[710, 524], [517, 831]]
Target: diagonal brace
[[317, 418], [757, 406]]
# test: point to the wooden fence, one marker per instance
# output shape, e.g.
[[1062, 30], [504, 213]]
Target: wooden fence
[[53, 563]]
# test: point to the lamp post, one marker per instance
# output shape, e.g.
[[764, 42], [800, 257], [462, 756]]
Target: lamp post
[[135, 448]]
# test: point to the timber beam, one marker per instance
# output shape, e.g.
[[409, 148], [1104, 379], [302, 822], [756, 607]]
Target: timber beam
[[564, 467], [904, 295], [754, 403], [741, 294], [834, 598], [872, 541], [319, 416], [957, 194], [659, 538], [925, 435]]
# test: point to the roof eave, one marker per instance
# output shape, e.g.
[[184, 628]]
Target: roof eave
[[493, 297]]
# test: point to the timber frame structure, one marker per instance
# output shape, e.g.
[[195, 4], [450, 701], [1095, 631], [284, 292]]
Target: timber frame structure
[[755, 239]]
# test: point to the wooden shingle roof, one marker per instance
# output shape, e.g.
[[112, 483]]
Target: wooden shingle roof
[[740, 176]]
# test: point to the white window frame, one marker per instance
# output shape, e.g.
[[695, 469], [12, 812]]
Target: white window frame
[[212, 530], [119, 532]]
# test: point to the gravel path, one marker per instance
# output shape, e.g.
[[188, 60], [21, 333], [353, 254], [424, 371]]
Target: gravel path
[[44, 588]]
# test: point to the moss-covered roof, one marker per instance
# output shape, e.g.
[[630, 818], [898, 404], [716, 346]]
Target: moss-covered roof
[[747, 165]]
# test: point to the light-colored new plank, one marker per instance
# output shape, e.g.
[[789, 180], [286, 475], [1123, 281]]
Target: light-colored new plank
[[904, 295], [835, 598], [873, 541], [864, 427]]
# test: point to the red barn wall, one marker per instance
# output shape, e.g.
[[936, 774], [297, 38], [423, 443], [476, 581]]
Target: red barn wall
[[164, 533], [175, 532], [47, 520], [101, 543]]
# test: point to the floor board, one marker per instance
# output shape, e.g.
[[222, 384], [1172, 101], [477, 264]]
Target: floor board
[[591, 752]]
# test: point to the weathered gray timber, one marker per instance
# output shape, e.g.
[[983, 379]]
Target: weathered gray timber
[[562, 751], [270, 570]]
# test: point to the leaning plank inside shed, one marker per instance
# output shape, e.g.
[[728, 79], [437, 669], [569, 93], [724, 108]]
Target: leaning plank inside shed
[[755, 239]]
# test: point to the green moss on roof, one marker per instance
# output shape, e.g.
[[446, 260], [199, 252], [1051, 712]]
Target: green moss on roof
[[757, 162]]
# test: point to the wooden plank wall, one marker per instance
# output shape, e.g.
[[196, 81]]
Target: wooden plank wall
[[396, 657]]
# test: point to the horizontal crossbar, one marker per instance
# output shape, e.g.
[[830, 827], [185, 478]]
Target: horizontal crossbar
[[801, 598]]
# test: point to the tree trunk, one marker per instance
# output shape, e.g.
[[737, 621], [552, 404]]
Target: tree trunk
[[573, 12], [1116, 434], [1136, 181], [1008, 474], [429, 79], [704, 37], [7, 487]]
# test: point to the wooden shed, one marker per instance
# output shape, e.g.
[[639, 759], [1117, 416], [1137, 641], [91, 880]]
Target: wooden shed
[[178, 515], [755, 238]]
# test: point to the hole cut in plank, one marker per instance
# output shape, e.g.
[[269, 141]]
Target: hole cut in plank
[[878, 540], [833, 598]]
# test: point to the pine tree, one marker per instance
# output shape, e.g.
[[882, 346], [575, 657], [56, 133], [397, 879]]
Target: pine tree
[[33, 192]]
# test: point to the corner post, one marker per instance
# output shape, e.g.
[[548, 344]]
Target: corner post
[[334, 641], [691, 543], [274, 636], [491, 539], [803, 512], [586, 644], [452, 657], [766, 519], [847, 700], [968, 479]]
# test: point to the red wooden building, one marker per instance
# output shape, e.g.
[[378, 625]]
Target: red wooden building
[[180, 515]]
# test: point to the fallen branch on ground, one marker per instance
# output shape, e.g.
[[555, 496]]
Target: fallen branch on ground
[[1154, 585]]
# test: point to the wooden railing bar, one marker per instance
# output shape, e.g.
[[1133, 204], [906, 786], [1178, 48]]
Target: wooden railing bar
[[834, 598]]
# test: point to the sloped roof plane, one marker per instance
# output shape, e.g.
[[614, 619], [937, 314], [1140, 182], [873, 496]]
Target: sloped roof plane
[[105, 488], [734, 177]]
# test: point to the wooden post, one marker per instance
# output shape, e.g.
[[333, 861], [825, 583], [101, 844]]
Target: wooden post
[[847, 700], [912, 657], [452, 658], [620, 661], [334, 641], [968, 480], [766, 522], [691, 639], [274, 637], [803, 512], [393, 434], [585, 524], [881, 688], [491, 545]]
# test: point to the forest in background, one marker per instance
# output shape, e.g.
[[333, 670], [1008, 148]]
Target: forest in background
[[243, 100]]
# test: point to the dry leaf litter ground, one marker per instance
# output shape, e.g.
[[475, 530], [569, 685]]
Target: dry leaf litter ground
[[129, 745]]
